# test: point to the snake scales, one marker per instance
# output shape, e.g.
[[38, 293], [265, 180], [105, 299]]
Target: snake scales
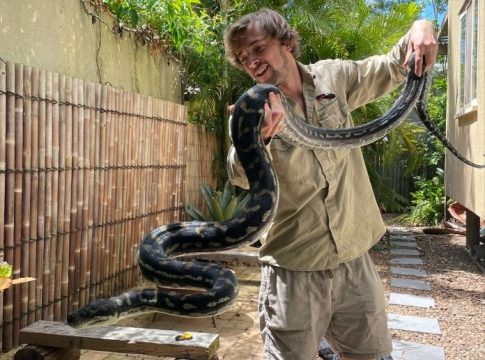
[[159, 249]]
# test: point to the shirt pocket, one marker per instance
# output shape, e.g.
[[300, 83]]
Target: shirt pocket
[[289, 162], [330, 114]]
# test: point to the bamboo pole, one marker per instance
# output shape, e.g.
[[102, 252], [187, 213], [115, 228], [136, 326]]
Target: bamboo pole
[[135, 181], [9, 204], [123, 175], [84, 270], [148, 156], [27, 183], [34, 287], [47, 305], [182, 158], [41, 216], [19, 108], [89, 205], [127, 190], [74, 248], [83, 205], [166, 159], [156, 158], [171, 184], [117, 147], [59, 161], [108, 162], [98, 199], [94, 190], [3, 167], [133, 185], [54, 306], [148, 160], [104, 161], [123, 188], [67, 280], [144, 179], [109, 188], [80, 221]]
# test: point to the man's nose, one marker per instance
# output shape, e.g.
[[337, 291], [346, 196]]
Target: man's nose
[[253, 62]]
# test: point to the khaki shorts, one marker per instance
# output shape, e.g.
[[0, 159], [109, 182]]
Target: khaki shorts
[[345, 305]]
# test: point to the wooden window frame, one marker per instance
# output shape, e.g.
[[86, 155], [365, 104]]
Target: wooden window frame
[[468, 59]]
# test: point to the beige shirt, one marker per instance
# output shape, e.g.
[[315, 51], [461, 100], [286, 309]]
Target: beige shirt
[[327, 213]]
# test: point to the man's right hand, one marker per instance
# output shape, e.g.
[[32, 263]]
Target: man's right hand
[[274, 117]]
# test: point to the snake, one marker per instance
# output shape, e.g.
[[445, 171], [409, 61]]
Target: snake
[[202, 289]]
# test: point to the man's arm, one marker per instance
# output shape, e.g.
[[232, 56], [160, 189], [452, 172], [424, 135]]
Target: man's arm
[[373, 77]]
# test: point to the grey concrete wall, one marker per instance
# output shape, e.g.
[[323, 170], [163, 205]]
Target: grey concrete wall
[[58, 35]]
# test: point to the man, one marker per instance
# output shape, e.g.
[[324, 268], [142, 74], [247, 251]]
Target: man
[[317, 277]]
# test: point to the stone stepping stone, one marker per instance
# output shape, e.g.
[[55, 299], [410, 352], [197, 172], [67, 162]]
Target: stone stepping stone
[[399, 230], [406, 261], [413, 323], [402, 238], [407, 252], [410, 284], [406, 244], [404, 350], [411, 300], [408, 271]]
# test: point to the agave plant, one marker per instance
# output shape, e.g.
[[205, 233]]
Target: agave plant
[[222, 205]]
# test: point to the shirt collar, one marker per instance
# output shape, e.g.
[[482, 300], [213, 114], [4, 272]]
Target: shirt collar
[[320, 91]]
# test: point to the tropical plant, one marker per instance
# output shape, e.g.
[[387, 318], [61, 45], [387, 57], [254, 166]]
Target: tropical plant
[[428, 200], [222, 205], [193, 31]]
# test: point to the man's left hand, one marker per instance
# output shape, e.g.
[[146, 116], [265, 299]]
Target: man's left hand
[[424, 44]]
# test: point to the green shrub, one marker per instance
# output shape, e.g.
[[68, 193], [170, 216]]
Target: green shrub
[[222, 205], [428, 200]]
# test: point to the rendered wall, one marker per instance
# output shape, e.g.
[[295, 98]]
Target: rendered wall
[[464, 183], [60, 36]]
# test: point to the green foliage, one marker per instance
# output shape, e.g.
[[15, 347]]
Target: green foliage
[[178, 22], [428, 200], [5, 269], [193, 31], [222, 205], [387, 199]]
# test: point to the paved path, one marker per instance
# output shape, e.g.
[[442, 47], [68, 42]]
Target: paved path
[[406, 262]]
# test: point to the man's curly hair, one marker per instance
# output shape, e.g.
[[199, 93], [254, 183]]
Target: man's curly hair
[[269, 21]]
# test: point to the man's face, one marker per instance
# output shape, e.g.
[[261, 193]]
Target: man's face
[[263, 58]]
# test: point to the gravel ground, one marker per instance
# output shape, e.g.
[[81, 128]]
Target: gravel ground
[[458, 288]]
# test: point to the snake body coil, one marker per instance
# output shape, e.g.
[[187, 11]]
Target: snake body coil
[[158, 249]]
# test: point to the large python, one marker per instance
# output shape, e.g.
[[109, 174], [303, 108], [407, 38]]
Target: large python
[[159, 249]]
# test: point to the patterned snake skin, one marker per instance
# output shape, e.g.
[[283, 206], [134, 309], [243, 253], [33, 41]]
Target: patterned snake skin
[[159, 248]]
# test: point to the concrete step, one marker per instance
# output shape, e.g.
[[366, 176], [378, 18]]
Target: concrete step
[[408, 271], [404, 350], [406, 261], [410, 284], [414, 323], [411, 300]]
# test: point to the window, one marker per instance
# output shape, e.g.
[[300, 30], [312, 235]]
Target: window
[[468, 57]]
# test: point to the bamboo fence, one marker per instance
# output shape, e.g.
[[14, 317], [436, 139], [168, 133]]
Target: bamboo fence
[[86, 170]]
